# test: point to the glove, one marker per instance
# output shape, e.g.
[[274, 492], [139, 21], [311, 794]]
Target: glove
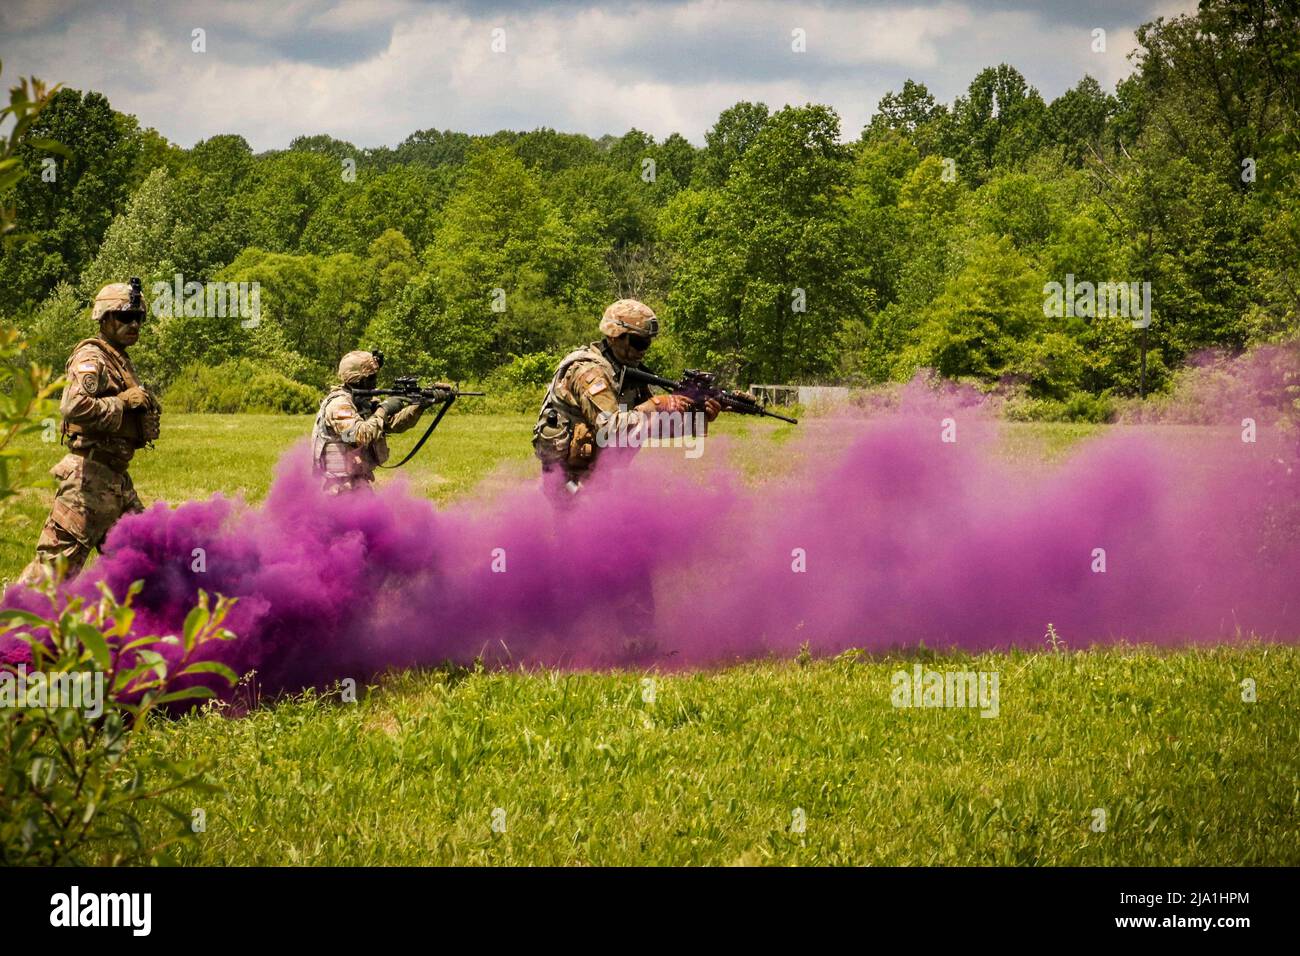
[[443, 387], [392, 405], [666, 403], [135, 397], [711, 409]]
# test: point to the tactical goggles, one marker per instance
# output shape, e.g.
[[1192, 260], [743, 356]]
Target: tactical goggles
[[639, 342], [129, 317]]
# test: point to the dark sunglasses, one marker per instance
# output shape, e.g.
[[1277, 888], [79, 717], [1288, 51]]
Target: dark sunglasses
[[130, 318], [639, 342]]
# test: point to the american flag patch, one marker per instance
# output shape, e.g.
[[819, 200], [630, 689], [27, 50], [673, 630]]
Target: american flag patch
[[87, 367], [598, 387]]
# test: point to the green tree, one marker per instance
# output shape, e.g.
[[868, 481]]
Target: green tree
[[405, 198], [139, 240], [66, 217], [913, 112], [546, 151], [279, 196], [727, 141], [503, 260], [763, 274], [985, 318], [1001, 121], [1076, 120], [209, 230]]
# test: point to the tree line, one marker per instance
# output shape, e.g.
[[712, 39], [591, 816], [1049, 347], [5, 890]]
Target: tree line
[[783, 250]]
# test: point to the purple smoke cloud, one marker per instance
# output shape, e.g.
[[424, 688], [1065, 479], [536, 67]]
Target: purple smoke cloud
[[882, 535]]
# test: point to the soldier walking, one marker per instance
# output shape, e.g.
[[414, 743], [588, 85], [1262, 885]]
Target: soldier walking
[[588, 394], [107, 415]]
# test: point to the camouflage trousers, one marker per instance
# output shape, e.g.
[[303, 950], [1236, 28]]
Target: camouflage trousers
[[90, 498]]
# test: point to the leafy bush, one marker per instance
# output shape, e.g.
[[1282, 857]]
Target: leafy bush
[[238, 386], [73, 786], [56, 327], [1080, 407], [518, 386], [25, 407]]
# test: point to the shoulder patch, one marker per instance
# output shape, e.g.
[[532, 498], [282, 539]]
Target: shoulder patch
[[597, 387], [341, 407], [87, 366]]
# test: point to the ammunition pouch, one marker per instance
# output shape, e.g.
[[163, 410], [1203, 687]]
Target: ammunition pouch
[[151, 425], [551, 441]]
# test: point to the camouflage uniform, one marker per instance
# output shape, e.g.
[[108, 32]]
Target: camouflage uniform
[[102, 433], [347, 447], [590, 392], [587, 393]]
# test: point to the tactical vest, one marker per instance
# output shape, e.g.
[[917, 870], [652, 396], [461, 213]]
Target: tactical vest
[[118, 375], [335, 458], [557, 418]]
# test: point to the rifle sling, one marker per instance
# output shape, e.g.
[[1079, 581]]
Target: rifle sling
[[429, 431]]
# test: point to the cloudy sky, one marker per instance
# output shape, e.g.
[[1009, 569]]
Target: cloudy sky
[[373, 71]]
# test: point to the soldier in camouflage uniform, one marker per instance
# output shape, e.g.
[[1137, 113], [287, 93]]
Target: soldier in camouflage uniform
[[588, 393], [347, 441], [107, 415]]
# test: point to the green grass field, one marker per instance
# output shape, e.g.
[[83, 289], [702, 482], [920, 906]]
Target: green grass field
[[456, 766], [586, 771]]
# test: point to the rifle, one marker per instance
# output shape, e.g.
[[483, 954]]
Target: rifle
[[698, 386], [410, 389]]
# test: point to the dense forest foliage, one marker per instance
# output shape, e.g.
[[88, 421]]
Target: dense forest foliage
[[784, 250]]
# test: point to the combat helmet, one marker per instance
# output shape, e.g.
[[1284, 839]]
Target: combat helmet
[[629, 316], [358, 366], [118, 297]]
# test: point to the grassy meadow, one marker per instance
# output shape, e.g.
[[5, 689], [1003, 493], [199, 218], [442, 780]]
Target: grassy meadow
[[778, 762]]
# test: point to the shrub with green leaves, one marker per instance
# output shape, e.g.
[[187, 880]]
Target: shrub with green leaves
[[239, 385], [1079, 407], [518, 386], [25, 408], [75, 780]]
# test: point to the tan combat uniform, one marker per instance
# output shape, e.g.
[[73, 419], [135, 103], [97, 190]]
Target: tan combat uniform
[[346, 448], [95, 488], [587, 393]]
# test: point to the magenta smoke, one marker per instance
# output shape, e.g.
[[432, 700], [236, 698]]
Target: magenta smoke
[[879, 535]]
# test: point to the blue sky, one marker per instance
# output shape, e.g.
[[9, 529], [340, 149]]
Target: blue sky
[[373, 72]]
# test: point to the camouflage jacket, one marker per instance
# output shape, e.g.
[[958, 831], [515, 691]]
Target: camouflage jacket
[[93, 415], [588, 389], [346, 445]]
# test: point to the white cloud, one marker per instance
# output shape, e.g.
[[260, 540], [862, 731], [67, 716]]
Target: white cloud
[[269, 74]]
